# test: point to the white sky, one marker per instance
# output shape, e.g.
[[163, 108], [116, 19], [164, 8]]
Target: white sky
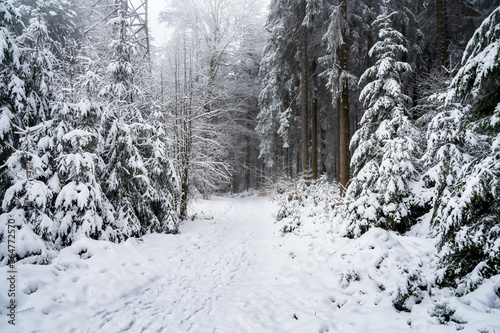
[[159, 31]]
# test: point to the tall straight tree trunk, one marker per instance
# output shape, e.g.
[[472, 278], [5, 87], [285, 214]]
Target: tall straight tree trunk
[[442, 33], [304, 93], [314, 137], [286, 168], [337, 152], [186, 134], [343, 131], [275, 172], [286, 164], [314, 126], [323, 150], [248, 152]]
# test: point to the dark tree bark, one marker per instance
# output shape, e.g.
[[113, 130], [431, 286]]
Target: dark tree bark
[[343, 118], [314, 137], [314, 127], [442, 33], [304, 94], [286, 157], [248, 152]]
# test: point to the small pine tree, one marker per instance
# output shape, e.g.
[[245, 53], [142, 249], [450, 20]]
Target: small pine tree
[[81, 209], [164, 186], [442, 159], [379, 193], [29, 198]]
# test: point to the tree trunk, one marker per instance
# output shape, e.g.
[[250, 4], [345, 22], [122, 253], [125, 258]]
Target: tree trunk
[[184, 194], [314, 137], [337, 152], [304, 93], [344, 135], [248, 156], [314, 125], [286, 145], [442, 33], [286, 168]]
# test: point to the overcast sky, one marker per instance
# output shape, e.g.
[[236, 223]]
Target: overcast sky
[[159, 30]]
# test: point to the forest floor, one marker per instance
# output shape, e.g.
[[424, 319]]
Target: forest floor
[[231, 270]]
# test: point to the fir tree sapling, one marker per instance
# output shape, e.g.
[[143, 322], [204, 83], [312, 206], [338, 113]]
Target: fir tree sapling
[[81, 209]]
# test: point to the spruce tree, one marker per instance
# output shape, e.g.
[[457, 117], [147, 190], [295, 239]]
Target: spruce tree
[[30, 167], [11, 87], [469, 221], [81, 208], [379, 193], [139, 179], [279, 82]]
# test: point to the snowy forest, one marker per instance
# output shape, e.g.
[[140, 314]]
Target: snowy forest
[[367, 116]]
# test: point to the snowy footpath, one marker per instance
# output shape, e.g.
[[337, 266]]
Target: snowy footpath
[[231, 270]]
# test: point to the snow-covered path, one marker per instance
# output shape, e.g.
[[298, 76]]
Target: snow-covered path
[[211, 273]]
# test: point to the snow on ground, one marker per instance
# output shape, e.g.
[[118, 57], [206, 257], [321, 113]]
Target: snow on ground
[[232, 270]]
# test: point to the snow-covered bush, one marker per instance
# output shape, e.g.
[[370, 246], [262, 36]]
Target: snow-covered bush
[[312, 198], [442, 311], [412, 292], [379, 260], [289, 211]]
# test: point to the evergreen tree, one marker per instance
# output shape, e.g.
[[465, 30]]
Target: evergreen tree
[[132, 159], [164, 188], [80, 208], [11, 87], [30, 166], [379, 194], [125, 176], [279, 82], [470, 216]]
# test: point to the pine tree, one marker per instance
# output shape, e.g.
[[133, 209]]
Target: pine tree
[[470, 216], [125, 175], [278, 82], [379, 194], [30, 166], [164, 187], [80, 208], [11, 87], [139, 179]]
